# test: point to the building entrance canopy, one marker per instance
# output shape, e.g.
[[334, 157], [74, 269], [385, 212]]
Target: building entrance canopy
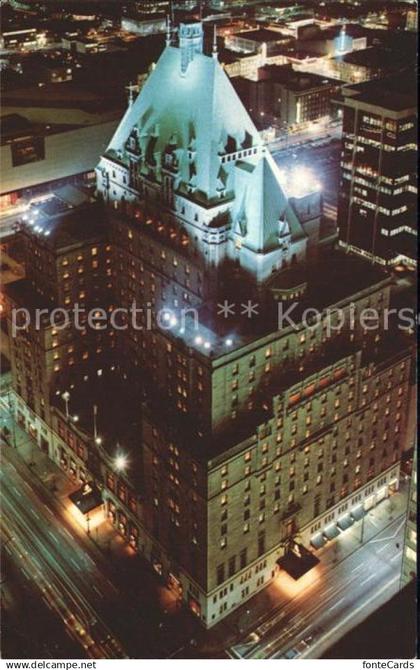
[[345, 522], [318, 541], [87, 498], [358, 513], [331, 532], [297, 561]]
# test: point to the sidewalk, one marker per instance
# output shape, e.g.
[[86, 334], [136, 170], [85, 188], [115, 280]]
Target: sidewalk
[[274, 597], [175, 625]]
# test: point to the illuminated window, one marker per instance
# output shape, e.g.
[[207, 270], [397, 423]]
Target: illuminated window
[[410, 554]]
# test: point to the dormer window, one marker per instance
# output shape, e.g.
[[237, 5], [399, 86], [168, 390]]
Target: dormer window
[[230, 146], [192, 149]]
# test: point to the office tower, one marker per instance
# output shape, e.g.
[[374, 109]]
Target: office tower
[[377, 198]]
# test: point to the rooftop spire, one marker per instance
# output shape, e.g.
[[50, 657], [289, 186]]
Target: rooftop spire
[[214, 50], [190, 43], [168, 31], [130, 89]]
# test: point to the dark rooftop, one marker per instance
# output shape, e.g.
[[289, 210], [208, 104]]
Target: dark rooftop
[[227, 56], [396, 93], [378, 57], [262, 35], [14, 126], [297, 81], [352, 29], [61, 224], [23, 294]]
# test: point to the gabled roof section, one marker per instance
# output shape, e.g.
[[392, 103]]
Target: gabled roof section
[[263, 205]]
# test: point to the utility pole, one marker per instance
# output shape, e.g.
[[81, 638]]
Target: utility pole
[[95, 428], [66, 398], [12, 419], [362, 533]]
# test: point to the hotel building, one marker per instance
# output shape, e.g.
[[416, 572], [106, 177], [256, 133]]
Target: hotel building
[[246, 434]]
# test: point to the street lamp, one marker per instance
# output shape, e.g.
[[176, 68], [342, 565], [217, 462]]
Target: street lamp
[[66, 397], [362, 531], [120, 462]]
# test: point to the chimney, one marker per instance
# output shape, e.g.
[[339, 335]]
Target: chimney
[[190, 43]]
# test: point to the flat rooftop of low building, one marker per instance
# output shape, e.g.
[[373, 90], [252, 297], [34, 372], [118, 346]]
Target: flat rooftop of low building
[[377, 57], [227, 56], [352, 30], [396, 93], [15, 126], [262, 35], [64, 95], [300, 54], [398, 41], [297, 81]]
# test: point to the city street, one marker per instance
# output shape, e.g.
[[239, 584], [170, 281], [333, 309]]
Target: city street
[[30, 628], [326, 606], [69, 581], [315, 132], [107, 614]]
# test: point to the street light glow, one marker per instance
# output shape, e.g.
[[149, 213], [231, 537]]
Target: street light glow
[[121, 462], [299, 181]]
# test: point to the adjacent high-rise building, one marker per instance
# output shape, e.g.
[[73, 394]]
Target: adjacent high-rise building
[[378, 190], [226, 423]]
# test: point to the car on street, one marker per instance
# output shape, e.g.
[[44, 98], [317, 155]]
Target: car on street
[[291, 653]]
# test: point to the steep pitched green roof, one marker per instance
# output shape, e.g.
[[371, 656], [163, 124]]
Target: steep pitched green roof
[[201, 108]]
